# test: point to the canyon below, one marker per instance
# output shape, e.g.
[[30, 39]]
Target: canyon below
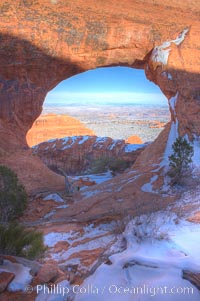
[[117, 121]]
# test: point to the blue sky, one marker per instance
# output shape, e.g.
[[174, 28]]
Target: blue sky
[[107, 85]]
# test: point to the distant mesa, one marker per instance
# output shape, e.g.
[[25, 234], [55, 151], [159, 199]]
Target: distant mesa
[[134, 140], [53, 126]]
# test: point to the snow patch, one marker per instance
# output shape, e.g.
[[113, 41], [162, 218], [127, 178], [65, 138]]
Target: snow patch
[[97, 178], [115, 143], [132, 147], [51, 239], [51, 213], [101, 242], [51, 140], [62, 207], [148, 186], [173, 135], [89, 239], [181, 37], [158, 249], [22, 275], [54, 197], [161, 53], [172, 103], [83, 139], [100, 141], [196, 156], [167, 75], [69, 141]]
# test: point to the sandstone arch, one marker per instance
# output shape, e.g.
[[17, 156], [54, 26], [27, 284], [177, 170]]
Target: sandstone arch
[[43, 42]]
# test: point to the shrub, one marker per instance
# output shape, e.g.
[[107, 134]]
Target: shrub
[[180, 159], [13, 198], [104, 164], [17, 241]]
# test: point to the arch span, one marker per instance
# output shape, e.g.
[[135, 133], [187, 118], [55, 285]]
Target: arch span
[[44, 42]]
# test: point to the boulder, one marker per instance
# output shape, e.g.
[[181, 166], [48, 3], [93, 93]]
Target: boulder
[[5, 279], [48, 272]]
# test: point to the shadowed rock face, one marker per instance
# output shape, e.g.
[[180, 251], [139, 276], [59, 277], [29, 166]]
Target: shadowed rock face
[[76, 154], [44, 42]]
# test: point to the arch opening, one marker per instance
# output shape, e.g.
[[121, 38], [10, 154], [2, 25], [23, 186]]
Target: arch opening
[[93, 96], [114, 102]]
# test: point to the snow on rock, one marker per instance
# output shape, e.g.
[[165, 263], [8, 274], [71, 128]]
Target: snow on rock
[[100, 242], [52, 140], [65, 140], [196, 156], [115, 143], [90, 231], [69, 141], [62, 207], [173, 135], [172, 103], [161, 53], [52, 238], [87, 193], [167, 75], [158, 248], [83, 139], [49, 214], [22, 275], [54, 197], [97, 178], [181, 37], [148, 186], [133, 147], [89, 238], [99, 142], [100, 178]]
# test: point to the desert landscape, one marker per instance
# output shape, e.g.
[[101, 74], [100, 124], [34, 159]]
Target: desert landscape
[[99, 202], [118, 122]]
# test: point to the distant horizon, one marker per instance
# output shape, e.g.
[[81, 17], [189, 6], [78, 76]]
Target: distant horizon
[[106, 86], [104, 98]]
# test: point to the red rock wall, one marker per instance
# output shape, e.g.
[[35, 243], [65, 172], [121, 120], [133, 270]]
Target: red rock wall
[[52, 126]]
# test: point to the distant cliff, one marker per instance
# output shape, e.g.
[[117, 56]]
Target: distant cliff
[[52, 126], [134, 140], [75, 154]]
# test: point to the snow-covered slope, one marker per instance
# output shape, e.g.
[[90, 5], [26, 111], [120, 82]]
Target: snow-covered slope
[[159, 247]]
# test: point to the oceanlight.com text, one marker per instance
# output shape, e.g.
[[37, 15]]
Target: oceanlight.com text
[[112, 289]]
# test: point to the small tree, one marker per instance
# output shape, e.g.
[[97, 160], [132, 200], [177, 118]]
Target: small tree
[[16, 240], [105, 163], [180, 159], [13, 198]]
